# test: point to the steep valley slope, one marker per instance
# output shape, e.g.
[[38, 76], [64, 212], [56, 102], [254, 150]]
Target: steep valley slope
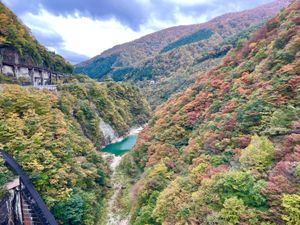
[[226, 150], [223, 151], [55, 136], [165, 62]]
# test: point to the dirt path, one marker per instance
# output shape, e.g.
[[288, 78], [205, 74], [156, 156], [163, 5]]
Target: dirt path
[[112, 217]]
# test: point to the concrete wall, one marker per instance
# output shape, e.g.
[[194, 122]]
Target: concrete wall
[[8, 71], [37, 78], [23, 73], [13, 66], [46, 77], [32, 75]]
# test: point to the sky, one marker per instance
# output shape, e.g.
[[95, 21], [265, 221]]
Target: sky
[[81, 29]]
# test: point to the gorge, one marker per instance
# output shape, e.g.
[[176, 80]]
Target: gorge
[[192, 125], [113, 154]]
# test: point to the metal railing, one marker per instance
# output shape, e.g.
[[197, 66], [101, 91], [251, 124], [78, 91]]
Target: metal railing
[[48, 87], [29, 192]]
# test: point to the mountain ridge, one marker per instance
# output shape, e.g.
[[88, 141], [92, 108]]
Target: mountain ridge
[[189, 29], [159, 73]]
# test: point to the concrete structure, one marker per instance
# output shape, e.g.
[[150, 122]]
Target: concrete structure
[[35, 76], [12, 66]]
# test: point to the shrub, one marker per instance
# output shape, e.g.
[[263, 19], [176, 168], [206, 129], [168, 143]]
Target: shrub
[[259, 155], [291, 205], [232, 211]]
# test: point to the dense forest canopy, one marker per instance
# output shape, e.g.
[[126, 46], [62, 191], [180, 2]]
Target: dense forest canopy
[[226, 150], [54, 138]]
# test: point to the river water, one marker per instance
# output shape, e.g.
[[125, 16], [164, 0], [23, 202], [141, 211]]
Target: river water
[[124, 145], [113, 153], [121, 147]]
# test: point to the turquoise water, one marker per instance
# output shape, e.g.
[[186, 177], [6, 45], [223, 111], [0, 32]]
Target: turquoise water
[[121, 147]]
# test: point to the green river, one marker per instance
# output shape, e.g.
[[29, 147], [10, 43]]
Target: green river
[[121, 147]]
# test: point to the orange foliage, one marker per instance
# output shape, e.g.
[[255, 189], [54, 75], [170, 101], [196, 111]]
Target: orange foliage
[[229, 106], [159, 151]]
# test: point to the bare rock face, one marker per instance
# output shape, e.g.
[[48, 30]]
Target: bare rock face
[[9, 55], [108, 132]]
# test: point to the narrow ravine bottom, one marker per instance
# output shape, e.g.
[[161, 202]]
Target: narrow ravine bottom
[[113, 155], [112, 210]]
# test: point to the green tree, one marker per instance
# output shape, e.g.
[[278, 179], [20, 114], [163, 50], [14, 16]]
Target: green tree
[[158, 178], [173, 200], [232, 211], [71, 211], [5, 176], [259, 155], [291, 205]]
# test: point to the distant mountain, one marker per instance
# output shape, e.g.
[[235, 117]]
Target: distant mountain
[[226, 150], [16, 38], [162, 63]]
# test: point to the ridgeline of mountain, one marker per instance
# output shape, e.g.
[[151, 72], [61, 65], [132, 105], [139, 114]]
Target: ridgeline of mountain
[[226, 150], [165, 62], [18, 44]]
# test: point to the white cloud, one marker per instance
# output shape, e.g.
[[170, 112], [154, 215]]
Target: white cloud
[[190, 2], [90, 37], [155, 24], [81, 34]]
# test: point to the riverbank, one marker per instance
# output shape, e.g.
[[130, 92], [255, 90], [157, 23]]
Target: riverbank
[[117, 184], [123, 144], [115, 139], [114, 213]]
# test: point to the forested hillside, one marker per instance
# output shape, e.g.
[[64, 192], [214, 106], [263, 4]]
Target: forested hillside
[[14, 35], [120, 105], [226, 150], [165, 62], [54, 136]]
